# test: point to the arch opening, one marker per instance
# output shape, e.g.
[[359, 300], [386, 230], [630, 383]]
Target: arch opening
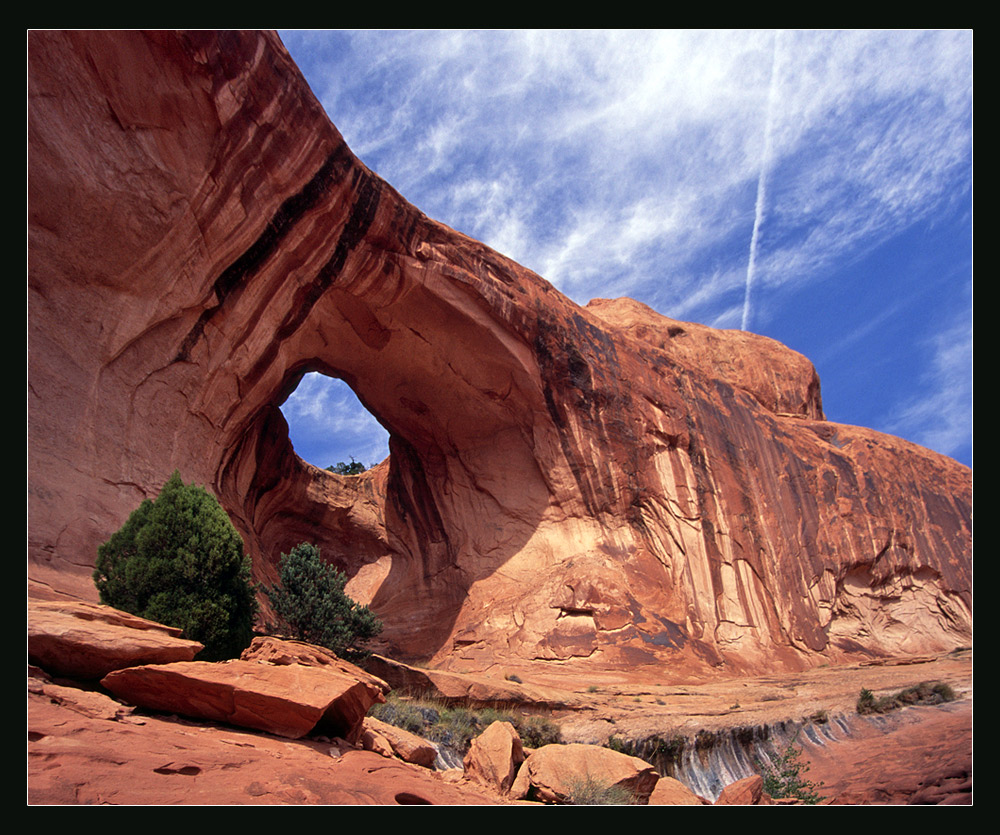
[[328, 425]]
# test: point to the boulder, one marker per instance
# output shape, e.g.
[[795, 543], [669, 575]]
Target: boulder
[[553, 772], [746, 792], [494, 757], [88, 641], [406, 746], [287, 700], [671, 792], [371, 740]]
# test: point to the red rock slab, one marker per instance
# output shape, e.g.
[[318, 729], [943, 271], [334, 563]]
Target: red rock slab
[[88, 702], [549, 773], [88, 641], [285, 651], [74, 759], [289, 701]]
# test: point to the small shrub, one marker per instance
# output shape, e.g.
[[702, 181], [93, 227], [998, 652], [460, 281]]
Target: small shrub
[[456, 726], [866, 702], [401, 714], [670, 749], [536, 731], [785, 778], [486, 716], [354, 468], [311, 604], [514, 677], [591, 792], [925, 693], [178, 560]]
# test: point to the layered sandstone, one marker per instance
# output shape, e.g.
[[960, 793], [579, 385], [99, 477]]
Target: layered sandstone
[[599, 485]]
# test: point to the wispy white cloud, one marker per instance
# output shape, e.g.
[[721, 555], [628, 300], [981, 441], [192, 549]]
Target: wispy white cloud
[[629, 162], [331, 425], [532, 140], [940, 416]]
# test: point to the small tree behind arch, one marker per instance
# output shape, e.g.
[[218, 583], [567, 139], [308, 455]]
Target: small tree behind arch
[[354, 468]]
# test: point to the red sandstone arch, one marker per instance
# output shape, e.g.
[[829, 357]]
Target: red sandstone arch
[[597, 484]]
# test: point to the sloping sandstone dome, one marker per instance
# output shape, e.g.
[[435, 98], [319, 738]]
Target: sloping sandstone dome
[[601, 485]]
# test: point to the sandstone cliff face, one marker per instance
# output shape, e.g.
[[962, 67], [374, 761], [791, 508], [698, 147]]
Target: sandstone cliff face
[[603, 484]]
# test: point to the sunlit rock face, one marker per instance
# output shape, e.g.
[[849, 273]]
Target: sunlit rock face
[[601, 485]]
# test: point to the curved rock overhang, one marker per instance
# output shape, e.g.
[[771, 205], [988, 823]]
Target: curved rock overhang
[[597, 484]]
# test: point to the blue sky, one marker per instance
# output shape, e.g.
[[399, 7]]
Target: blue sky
[[815, 187]]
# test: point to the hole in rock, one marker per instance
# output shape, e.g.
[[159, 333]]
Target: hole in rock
[[328, 425], [186, 770], [410, 799]]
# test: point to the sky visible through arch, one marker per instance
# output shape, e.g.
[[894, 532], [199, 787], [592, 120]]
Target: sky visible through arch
[[811, 186]]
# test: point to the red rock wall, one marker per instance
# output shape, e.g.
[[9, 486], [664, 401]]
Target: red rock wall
[[598, 484]]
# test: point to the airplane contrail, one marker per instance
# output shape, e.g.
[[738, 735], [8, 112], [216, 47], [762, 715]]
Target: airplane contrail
[[765, 164]]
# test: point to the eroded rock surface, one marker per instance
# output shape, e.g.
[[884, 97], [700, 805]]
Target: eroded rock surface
[[601, 485], [77, 759], [84, 747], [920, 755]]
